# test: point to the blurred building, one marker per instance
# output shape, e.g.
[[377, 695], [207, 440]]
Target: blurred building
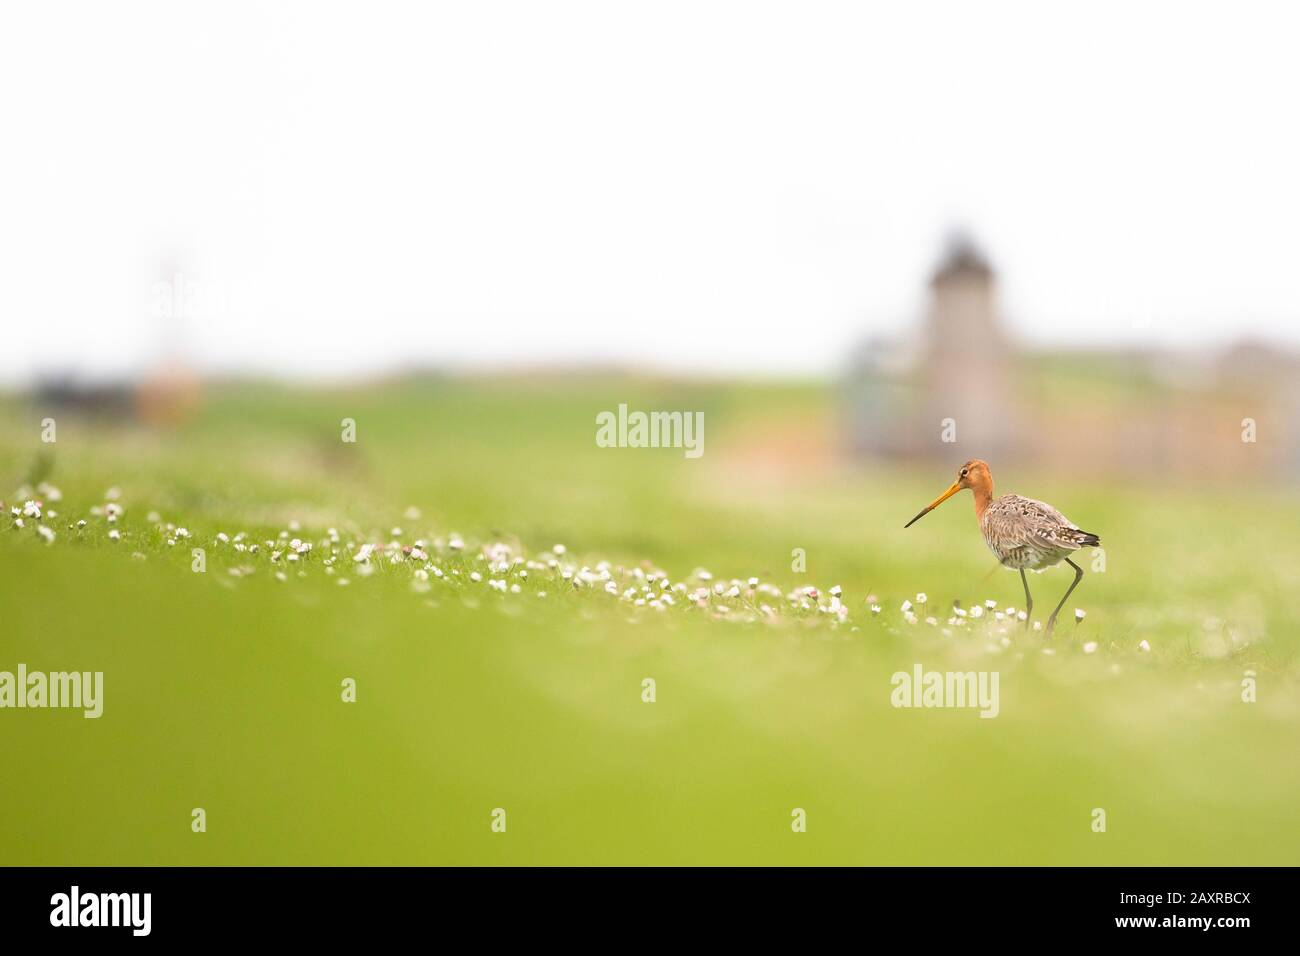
[[169, 391], [958, 387], [169, 394]]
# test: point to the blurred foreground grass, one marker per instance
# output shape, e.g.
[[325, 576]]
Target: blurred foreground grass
[[222, 692]]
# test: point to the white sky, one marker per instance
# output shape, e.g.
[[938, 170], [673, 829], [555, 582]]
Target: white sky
[[699, 186]]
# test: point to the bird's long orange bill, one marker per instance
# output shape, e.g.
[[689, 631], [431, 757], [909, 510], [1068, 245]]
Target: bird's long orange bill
[[952, 490]]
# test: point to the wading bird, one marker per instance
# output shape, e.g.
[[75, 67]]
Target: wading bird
[[1022, 533]]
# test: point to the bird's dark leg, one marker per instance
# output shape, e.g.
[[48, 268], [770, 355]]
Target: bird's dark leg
[[1029, 601], [1078, 576]]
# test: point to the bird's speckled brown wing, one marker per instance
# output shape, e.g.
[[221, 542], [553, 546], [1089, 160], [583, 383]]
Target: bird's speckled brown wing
[[1025, 533]]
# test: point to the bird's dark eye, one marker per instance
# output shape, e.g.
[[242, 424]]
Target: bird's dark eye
[[963, 473]]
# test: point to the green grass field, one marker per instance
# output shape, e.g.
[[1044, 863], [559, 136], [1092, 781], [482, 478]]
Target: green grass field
[[223, 690]]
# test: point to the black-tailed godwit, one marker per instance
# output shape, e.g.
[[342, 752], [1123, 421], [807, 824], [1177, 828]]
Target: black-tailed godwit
[[1022, 533]]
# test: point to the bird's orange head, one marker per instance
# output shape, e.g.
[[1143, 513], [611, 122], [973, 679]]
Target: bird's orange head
[[973, 475]]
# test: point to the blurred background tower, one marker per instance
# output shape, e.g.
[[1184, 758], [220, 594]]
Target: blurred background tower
[[1102, 411], [966, 364], [958, 365], [170, 391]]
